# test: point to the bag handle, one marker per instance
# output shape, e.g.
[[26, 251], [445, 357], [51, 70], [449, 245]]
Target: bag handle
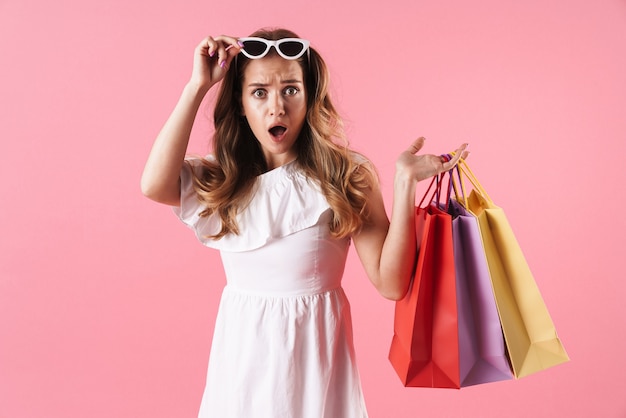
[[440, 179], [428, 192], [467, 172], [436, 194], [462, 196]]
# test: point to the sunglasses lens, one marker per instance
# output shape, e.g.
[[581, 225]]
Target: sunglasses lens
[[291, 48], [254, 48]]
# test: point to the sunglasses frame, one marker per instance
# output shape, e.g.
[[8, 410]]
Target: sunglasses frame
[[276, 44]]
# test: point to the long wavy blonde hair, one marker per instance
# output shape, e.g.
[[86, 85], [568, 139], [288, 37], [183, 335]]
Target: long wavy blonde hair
[[225, 185]]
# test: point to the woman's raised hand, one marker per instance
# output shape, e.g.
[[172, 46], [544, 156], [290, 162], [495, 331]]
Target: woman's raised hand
[[416, 167], [212, 58]]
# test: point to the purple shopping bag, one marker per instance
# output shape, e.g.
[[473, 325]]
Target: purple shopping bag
[[482, 350]]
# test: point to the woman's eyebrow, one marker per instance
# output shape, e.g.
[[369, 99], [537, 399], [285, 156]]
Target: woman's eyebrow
[[287, 81]]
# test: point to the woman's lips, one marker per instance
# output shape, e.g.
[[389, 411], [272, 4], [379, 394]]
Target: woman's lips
[[277, 133]]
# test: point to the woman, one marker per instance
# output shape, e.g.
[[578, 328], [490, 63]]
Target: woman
[[281, 196]]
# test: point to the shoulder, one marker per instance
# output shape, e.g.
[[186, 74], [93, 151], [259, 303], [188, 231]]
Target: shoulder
[[197, 160], [363, 168], [199, 164], [358, 158]]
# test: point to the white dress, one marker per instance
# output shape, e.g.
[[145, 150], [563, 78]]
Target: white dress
[[282, 345]]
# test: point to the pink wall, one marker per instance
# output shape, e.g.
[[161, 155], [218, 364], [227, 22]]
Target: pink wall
[[107, 302]]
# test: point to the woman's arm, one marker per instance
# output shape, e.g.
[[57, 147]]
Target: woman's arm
[[160, 180], [388, 249]]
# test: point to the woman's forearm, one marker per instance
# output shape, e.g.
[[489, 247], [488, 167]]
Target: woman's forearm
[[160, 179], [399, 249]]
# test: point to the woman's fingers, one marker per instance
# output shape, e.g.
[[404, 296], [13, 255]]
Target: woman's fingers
[[213, 56], [227, 48], [460, 152], [417, 145]]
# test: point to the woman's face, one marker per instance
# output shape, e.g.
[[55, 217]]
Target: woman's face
[[274, 103]]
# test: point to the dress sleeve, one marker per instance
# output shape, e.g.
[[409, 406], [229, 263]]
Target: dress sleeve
[[190, 207]]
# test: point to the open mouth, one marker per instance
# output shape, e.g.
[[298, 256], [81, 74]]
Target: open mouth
[[277, 131]]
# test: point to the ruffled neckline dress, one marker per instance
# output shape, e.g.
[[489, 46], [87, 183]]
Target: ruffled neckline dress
[[282, 344]]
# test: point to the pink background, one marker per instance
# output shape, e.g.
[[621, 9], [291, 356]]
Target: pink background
[[107, 301]]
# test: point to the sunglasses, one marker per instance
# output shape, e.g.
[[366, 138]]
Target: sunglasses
[[288, 48]]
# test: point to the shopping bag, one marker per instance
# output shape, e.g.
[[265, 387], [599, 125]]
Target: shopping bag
[[482, 351], [530, 335], [425, 348]]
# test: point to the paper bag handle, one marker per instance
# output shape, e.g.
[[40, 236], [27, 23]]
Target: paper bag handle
[[467, 172], [460, 197]]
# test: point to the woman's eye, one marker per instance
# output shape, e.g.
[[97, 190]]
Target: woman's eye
[[258, 93], [290, 91]]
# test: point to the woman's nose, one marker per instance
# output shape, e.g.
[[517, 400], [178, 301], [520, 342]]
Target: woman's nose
[[276, 105]]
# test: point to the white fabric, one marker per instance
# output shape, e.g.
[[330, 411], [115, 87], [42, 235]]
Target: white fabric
[[282, 345], [285, 202]]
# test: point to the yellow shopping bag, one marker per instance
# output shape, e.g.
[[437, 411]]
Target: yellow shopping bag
[[529, 332]]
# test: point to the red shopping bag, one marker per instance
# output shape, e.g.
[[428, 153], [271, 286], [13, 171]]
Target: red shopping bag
[[425, 346]]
